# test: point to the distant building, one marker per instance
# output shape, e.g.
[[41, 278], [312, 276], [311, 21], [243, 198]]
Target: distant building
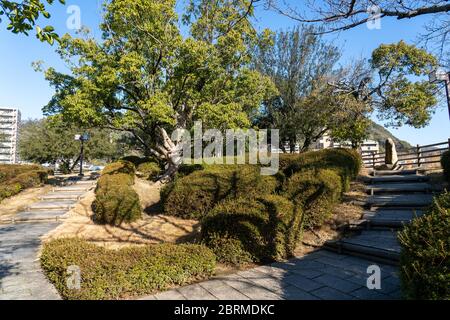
[[9, 129]]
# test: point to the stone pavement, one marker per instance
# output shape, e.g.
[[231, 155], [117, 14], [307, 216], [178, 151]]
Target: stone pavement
[[20, 272], [320, 275], [21, 276]]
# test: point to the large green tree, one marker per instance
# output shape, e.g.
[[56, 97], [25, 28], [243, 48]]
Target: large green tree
[[393, 84], [300, 63], [22, 16], [49, 140], [145, 78]]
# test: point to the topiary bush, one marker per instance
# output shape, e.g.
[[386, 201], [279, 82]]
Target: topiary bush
[[261, 229], [114, 274], [120, 166], [425, 258], [194, 195], [316, 191], [116, 201], [148, 170], [346, 162], [445, 162]]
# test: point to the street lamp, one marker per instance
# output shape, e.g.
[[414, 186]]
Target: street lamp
[[82, 138], [440, 75]]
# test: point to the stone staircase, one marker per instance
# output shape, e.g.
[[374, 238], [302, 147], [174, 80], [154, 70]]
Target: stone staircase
[[395, 198], [55, 204]]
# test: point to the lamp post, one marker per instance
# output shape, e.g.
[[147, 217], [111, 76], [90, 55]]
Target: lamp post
[[440, 75], [82, 138]]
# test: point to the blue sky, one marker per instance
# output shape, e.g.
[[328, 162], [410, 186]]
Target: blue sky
[[21, 87]]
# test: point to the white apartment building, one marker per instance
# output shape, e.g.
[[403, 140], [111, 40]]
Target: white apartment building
[[9, 129]]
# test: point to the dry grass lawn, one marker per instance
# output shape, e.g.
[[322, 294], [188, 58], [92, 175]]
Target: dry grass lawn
[[151, 229]]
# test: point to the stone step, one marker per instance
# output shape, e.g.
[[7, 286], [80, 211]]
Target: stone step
[[85, 182], [394, 218], [399, 178], [35, 216], [396, 172], [74, 189], [400, 200], [52, 205], [393, 187], [62, 196], [378, 245]]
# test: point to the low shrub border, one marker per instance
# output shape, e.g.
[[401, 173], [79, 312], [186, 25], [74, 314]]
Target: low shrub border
[[18, 178], [260, 230], [425, 258], [114, 274]]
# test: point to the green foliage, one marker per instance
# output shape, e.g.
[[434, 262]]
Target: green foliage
[[194, 195], [50, 141], [346, 162], [121, 166], [445, 162], [149, 170], [316, 191], [304, 107], [134, 271], [258, 229], [15, 178], [425, 259], [402, 100], [116, 201], [22, 16]]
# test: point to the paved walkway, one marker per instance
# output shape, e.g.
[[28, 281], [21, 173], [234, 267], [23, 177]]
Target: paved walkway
[[21, 277], [318, 275]]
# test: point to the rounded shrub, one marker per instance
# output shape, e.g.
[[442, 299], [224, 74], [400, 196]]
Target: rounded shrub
[[346, 162], [120, 166], [424, 258], [133, 271], [148, 170], [316, 191], [115, 200], [194, 195], [261, 229]]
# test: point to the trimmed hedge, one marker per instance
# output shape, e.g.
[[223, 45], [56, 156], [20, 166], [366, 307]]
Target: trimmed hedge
[[115, 199], [316, 191], [120, 166], [10, 171], [16, 178], [149, 170], [445, 162], [194, 195], [346, 162], [114, 274], [260, 230], [425, 258]]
